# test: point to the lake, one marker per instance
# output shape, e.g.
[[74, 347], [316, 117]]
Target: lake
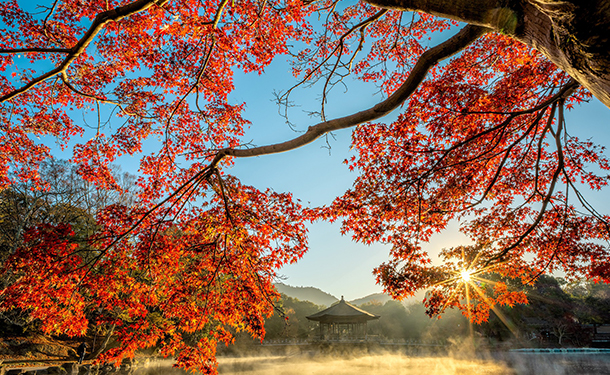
[[500, 363]]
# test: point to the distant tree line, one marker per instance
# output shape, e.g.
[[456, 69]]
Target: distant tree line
[[559, 313]]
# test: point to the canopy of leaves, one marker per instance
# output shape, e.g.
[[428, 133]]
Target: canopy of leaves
[[480, 138]]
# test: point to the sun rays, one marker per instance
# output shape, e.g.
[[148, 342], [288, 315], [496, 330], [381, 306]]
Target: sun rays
[[465, 275], [467, 285]]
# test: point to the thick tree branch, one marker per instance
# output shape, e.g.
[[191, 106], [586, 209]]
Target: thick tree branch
[[489, 14], [99, 22], [560, 30], [428, 59], [34, 49]]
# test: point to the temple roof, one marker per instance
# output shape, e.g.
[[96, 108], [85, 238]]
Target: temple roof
[[342, 312]]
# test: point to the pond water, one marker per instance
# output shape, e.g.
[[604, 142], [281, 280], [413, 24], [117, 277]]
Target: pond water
[[390, 364], [500, 363]]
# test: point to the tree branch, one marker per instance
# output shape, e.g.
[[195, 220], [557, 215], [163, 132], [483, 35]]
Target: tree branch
[[428, 59], [34, 49], [489, 14], [99, 22], [549, 195]]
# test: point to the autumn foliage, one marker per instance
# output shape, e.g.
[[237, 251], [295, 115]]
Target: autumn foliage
[[480, 138]]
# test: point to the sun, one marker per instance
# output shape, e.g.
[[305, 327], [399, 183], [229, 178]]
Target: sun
[[465, 275]]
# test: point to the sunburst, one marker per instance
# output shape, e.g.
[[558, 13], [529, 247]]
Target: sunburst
[[469, 278], [465, 275]]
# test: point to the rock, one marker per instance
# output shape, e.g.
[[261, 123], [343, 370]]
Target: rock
[[50, 349]]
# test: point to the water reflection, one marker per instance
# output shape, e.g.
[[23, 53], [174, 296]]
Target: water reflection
[[501, 363], [373, 364]]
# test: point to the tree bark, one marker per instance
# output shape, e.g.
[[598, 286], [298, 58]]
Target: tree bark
[[573, 34], [100, 350]]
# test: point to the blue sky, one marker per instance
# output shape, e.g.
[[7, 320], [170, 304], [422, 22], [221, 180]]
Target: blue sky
[[316, 175]]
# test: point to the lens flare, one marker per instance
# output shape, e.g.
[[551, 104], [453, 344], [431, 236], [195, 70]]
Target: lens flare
[[465, 275]]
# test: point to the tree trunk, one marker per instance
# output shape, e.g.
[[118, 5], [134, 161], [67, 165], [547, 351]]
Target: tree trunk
[[100, 350], [573, 34]]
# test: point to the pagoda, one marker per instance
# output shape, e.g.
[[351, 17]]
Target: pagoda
[[342, 321]]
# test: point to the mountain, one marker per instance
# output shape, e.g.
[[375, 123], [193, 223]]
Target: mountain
[[377, 297], [319, 297], [307, 293], [322, 298]]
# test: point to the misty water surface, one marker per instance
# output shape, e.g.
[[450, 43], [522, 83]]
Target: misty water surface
[[398, 364]]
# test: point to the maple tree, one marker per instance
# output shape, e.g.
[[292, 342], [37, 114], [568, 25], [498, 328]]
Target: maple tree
[[480, 138]]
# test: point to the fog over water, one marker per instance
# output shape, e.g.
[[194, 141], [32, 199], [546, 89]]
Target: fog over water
[[500, 363], [389, 364]]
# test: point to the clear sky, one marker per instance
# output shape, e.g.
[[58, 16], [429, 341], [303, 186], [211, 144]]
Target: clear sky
[[316, 174]]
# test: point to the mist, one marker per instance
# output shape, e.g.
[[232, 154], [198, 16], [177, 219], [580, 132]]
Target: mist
[[386, 364], [461, 360]]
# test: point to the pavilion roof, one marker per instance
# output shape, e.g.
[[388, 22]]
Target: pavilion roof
[[342, 311]]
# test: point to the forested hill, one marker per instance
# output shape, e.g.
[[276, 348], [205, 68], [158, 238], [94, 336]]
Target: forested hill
[[322, 298], [307, 293], [559, 314], [371, 298]]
